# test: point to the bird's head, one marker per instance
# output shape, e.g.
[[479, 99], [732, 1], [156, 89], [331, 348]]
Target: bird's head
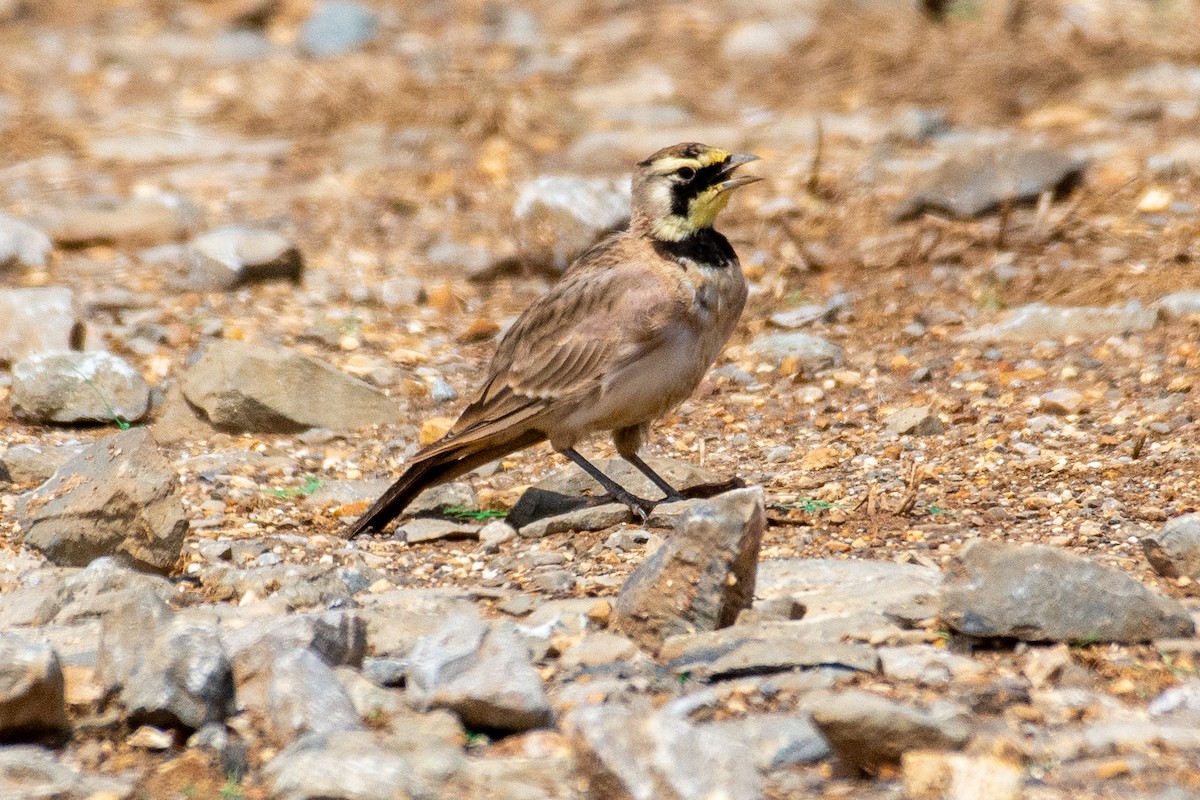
[[680, 189]]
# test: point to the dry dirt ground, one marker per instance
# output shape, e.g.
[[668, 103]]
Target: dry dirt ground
[[422, 137]]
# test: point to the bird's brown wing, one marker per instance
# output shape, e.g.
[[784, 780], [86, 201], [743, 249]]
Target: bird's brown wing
[[567, 342]]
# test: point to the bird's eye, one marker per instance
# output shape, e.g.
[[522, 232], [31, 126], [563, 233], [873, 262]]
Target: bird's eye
[[686, 173]]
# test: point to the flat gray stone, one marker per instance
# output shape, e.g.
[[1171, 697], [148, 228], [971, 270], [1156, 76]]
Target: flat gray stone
[[118, 498], [226, 258], [481, 673], [1183, 303], [426, 529], [1174, 550], [31, 689], [35, 463], [1036, 323], [28, 772], [22, 244], [127, 222], [870, 732], [776, 740], [760, 650], [241, 387], [979, 183], [634, 753], [704, 575], [78, 387], [359, 765], [38, 320], [1039, 593], [591, 518], [812, 352], [397, 620]]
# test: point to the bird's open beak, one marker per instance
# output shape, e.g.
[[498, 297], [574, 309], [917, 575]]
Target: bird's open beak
[[735, 161]]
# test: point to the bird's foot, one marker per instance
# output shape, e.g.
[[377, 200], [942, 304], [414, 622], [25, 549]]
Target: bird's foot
[[638, 506]]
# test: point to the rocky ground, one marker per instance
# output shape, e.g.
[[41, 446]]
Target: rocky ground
[[253, 252]]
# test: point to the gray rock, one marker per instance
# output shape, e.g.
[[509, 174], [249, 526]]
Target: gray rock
[[74, 387], [425, 529], [1061, 402], [358, 765], [631, 753], [436, 499], [913, 421], [343, 492], [1041, 594], [862, 599], [766, 40], [762, 649], [106, 587], [812, 352], [31, 689], [1183, 303], [337, 27], [28, 772], [777, 740], [304, 696], [229, 257], [589, 518], [229, 749], [481, 673], [926, 665], [979, 183], [337, 637], [118, 498], [1036, 322], [702, 577], [549, 777], [165, 671], [22, 244], [288, 587], [241, 387], [1174, 551], [136, 222], [397, 620], [37, 320], [869, 732], [35, 463], [557, 218]]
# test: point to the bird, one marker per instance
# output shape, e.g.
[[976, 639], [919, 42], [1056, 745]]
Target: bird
[[623, 337]]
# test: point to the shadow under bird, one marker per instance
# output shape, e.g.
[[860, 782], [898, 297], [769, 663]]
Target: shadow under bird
[[624, 337]]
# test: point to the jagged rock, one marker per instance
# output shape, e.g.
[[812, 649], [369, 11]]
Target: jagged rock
[[483, 674], [870, 732], [397, 620], [702, 577], [337, 637], [1183, 303], [31, 689], [630, 753], [557, 218], [1174, 551], [761, 649], [74, 387], [165, 670], [304, 696], [118, 498], [37, 320], [227, 258], [1038, 593], [22, 244], [980, 183], [913, 421], [242, 387]]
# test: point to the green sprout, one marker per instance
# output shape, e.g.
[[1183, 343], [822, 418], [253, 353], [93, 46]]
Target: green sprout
[[311, 484], [471, 513], [121, 422]]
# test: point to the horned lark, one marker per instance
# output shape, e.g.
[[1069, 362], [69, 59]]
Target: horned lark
[[620, 340]]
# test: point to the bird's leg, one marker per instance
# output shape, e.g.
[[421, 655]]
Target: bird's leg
[[640, 508], [672, 494]]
